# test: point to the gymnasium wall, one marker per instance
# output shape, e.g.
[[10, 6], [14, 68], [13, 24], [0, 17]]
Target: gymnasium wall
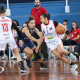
[[24, 1], [22, 11]]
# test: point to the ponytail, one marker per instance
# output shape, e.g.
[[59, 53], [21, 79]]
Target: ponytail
[[2, 10], [30, 18]]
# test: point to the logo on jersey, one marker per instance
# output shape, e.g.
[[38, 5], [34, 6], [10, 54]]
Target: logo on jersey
[[43, 31], [38, 10], [7, 37], [72, 35], [2, 17], [50, 28], [6, 34], [75, 32]]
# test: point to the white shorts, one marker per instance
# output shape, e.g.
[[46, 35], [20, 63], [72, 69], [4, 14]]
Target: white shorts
[[53, 44], [12, 44]]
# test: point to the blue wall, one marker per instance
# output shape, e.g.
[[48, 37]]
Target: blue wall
[[24, 1], [21, 12]]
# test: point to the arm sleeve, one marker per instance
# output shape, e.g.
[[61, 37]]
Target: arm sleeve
[[67, 32], [16, 28], [78, 32], [55, 23]]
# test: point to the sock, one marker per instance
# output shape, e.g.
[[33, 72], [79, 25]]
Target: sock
[[6, 52], [41, 64], [72, 63], [69, 54], [27, 60], [21, 65]]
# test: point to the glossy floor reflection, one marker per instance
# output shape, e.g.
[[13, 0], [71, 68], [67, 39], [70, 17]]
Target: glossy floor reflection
[[58, 71]]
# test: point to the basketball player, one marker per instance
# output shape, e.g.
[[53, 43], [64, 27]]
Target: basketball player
[[29, 47], [53, 41], [6, 36]]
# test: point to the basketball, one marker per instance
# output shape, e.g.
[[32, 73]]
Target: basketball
[[60, 30]]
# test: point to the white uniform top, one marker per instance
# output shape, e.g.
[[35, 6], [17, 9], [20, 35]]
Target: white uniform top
[[14, 32], [49, 31], [5, 28]]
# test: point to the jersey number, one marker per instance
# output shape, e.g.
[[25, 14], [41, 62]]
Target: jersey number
[[5, 27]]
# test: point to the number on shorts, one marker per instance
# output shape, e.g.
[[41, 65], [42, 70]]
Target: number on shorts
[[5, 27]]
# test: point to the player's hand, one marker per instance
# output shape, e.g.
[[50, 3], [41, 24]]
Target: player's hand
[[36, 50], [21, 43], [38, 41]]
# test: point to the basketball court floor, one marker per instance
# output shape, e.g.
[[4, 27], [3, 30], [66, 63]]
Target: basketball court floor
[[57, 71]]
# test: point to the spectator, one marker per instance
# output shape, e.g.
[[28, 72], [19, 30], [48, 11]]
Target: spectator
[[74, 36], [17, 23], [37, 12]]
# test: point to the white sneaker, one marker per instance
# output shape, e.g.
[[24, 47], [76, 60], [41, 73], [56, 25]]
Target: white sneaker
[[74, 66], [73, 57], [4, 57], [74, 72], [13, 57], [24, 57], [24, 71]]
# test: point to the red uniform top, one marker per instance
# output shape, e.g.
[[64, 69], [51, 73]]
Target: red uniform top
[[74, 34], [37, 13]]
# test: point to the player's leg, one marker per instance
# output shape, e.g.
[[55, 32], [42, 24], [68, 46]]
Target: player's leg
[[40, 60], [29, 53], [13, 46], [61, 50], [19, 59], [64, 59]]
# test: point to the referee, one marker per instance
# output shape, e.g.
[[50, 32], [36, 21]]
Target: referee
[[37, 11]]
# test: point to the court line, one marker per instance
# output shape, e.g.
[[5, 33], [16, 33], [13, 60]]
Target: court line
[[42, 71]]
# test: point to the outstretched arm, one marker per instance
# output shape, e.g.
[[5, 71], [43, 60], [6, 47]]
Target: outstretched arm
[[40, 34], [27, 33]]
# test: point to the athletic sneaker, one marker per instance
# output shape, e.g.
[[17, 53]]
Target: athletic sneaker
[[74, 72], [24, 71], [44, 67], [74, 66], [29, 64], [73, 57], [13, 57], [4, 57]]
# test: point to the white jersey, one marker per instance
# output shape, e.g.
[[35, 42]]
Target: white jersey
[[14, 32], [50, 36], [5, 28], [49, 31]]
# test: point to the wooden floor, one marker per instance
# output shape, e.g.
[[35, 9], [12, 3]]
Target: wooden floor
[[58, 71]]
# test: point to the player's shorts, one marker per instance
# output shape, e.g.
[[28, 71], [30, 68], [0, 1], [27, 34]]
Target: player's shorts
[[11, 43], [53, 44], [29, 44]]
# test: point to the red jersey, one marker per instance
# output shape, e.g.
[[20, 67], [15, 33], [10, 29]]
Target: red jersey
[[74, 34], [37, 13]]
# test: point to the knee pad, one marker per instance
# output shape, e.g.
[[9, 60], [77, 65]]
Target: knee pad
[[38, 55]]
